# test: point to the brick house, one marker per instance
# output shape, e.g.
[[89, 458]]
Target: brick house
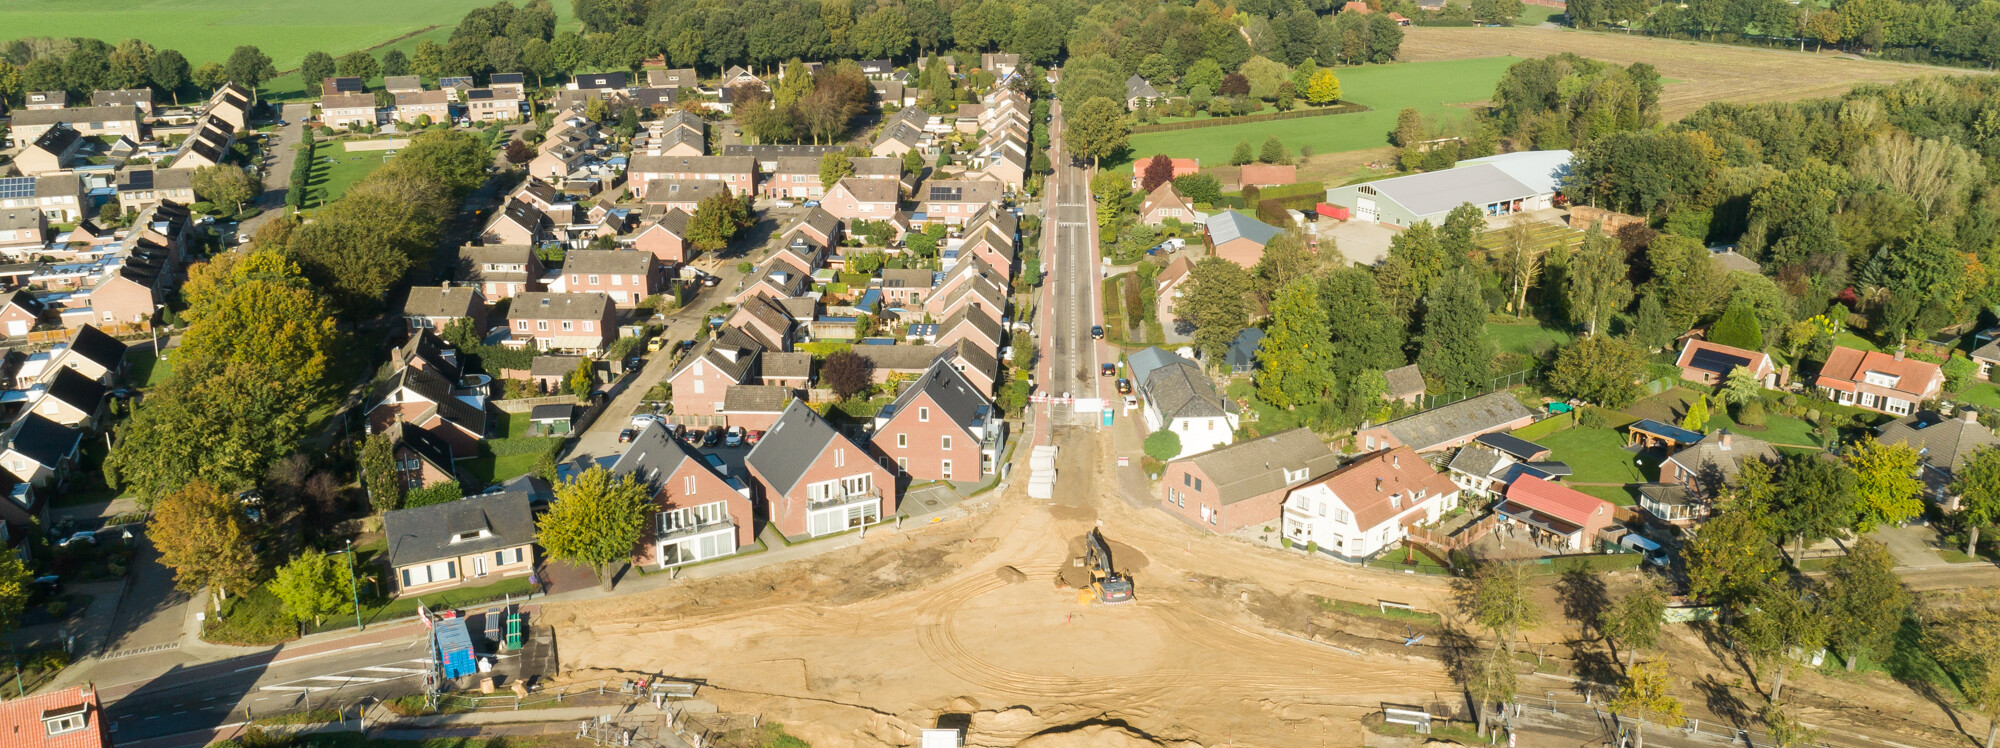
[[1710, 363], [1367, 506], [1881, 382], [756, 406], [113, 121], [500, 271], [428, 390], [350, 111], [942, 427], [684, 195], [625, 275], [1244, 484], [973, 327], [953, 202], [414, 106], [519, 223], [663, 234], [1238, 238], [1165, 202], [703, 379], [1707, 465], [476, 540], [69, 398], [738, 173], [990, 236], [1556, 517], [906, 288], [698, 514], [792, 177], [816, 481], [493, 104], [854, 199], [433, 307], [563, 321]]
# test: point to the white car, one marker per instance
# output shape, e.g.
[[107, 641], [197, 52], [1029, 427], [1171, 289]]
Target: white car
[[782, 204], [640, 421]]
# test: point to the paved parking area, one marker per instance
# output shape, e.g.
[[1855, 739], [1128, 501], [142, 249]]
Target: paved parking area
[[1910, 545]]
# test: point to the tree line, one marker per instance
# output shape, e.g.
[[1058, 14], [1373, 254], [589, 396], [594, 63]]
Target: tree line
[[1927, 30]]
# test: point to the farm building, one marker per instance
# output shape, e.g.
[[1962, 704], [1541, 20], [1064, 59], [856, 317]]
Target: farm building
[[1501, 185]]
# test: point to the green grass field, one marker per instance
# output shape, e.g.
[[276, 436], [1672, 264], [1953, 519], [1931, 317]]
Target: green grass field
[[331, 180], [1527, 339], [1597, 455], [1430, 87]]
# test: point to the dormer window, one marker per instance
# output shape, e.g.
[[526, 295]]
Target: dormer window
[[471, 535], [1396, 501], [1294, 476], [66, 719], [1882, 380]]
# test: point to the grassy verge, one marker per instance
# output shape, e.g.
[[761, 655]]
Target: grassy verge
[[145, 370], [312, 717], [1372, 611]]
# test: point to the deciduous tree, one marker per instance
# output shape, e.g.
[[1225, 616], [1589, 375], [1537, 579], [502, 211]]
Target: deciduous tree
[[834, 167], [314, 585], [1597, 283], [1730, 559], [1865, 600], [1782, 621], [1324, 88], [1296, 359], [717, 219], [595, 520], [847, 373], [249, 67], [378, 472], [225, 184], [1097, 129], [1159, 170], [1978, 488], [315, 68], [1599, 369], [1634, 622], [1885, 481], [201, 534], [1457, 357], [1648, 694], [1216, 300]]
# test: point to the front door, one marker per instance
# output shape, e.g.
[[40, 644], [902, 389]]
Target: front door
[[479, 566]]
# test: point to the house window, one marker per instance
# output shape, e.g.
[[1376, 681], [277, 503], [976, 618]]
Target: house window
[[687, 486], [923, 415], [1187, 479], [568, 326], [1197, 484], [903, 464], [66, 723], [840, 458], [946, 469], [542, 325], [945, 444], [470, 535], [593, 279], [589, 326], [902, 441], [617, 280]]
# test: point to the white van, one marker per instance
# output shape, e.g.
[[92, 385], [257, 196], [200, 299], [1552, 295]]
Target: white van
[[1655, 554]]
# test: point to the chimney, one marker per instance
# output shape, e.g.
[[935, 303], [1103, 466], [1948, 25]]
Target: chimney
[[1726, 436], [1899, 354], [1396, 461], [1378, 485], [1970, 416]]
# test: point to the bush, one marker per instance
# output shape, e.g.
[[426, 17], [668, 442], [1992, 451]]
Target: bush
[[1591, 418], [1751, 414], [1163, 445], [1312, 546], [1286, 541], [745, 267]]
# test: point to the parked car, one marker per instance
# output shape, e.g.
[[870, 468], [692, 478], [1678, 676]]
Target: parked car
[[812, 203], [1107, 369], [752, 437], [692, 437], [1097, 332], [1124, 386], [782, 204], [734, 437], [639, 421], [627, 435], [654, 345], [673, 430], [712, 437], [88, 537], [50, 584], [684, 346]]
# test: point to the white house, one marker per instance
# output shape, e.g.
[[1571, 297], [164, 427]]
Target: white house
[[1182, 399], [1359, 510]]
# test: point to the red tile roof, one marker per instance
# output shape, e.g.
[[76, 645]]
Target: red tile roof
[[1760, 364], [1561, 502], [1366, 485], [1916, 380], [23, 726]]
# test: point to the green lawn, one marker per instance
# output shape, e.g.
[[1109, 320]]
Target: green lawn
[[331, 180], [1620, 495], [1535, 15], [207, 30], [499, 459], [1596, 456], [1529, 339], [1386, 89], [1848, 339], [1983, 395], [146, 370]]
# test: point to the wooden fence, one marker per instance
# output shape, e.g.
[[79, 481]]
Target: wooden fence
[[119, 330], [1444, 544]]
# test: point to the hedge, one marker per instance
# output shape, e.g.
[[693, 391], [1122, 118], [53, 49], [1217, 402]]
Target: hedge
[[1249, 118]]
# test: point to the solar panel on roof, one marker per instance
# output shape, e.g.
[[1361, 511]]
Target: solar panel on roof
[[139, 179], [17, 187], [1716, 361]]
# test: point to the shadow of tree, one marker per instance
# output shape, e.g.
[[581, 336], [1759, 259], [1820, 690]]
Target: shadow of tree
[[1723, 702], [1584, 599]]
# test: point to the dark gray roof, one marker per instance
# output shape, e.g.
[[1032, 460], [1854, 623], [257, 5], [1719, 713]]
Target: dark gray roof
[[715, 351], [608, 261], [757, 398], [42, 440], [79, 391], [1520, 448], [653, 456], [76, 114], [539, 305], [1459, 419], [899, 357], [425, 533], [1942, 443], [1475, 461], [1137, 88], [1256, 467], [1243, 350], [1405, 380], [552, 366], [986, 325], [552, 412], [99, 348], [1709, 454], [781, 365], [125, 96], [791, 447], [440, 301], [1181, 390], [1666, 494], [959, 400], [907, 278], [1145, 362], [402, 82], [433, 386]]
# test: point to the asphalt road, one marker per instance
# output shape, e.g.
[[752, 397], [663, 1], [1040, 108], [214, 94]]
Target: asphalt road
[[202, 697], [278, 178], [1072, 270]]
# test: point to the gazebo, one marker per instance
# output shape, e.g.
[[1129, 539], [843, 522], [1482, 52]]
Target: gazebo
[[1647, 432]]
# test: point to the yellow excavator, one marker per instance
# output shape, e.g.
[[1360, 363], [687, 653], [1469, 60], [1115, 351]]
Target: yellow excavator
[[1106, 584]]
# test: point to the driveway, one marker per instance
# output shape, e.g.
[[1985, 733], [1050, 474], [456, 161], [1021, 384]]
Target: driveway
[[1910, 545]]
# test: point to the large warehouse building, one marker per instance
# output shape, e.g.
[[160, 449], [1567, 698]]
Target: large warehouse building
[[1501, 185]]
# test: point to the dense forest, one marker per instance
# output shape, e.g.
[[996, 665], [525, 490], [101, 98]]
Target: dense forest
[[1927, 30]]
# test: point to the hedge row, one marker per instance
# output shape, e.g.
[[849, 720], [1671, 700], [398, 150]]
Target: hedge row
[[1250, 118]]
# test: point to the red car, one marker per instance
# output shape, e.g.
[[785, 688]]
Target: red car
[[753, 437]]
